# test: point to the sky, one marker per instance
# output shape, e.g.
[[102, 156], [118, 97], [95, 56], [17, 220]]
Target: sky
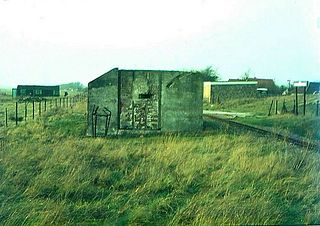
[[48, 42]]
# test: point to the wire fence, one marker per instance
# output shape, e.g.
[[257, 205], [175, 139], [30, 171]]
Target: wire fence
[[28, 109], [276, 107], [23, 110]]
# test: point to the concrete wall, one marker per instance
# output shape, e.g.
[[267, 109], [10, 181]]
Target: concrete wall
[[182, 104], [207, 92], [103, 92], [221, 93], [142, 100]]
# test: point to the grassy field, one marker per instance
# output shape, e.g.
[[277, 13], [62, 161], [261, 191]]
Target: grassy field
[[305, 126], [52, 174]]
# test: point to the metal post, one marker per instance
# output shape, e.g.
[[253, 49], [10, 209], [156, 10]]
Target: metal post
[[6, 117], [270, 108], [33, 109], [304, 100], [25, 111], [297, 105], [16, 113], [40, 108]]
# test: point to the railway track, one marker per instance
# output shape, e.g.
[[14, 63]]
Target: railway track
[[264, 132]]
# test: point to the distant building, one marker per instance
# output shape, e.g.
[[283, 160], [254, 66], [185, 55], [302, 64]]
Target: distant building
[[262, 83], [215, 92], [313, 87], [143, 101], [14, 92], [37, 91]]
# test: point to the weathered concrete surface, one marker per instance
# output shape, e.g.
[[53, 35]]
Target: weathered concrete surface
[[147, 100], [103, 92], [181, 106]]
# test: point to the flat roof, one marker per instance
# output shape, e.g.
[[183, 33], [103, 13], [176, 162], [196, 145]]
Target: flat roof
[[232, 83], [38, 86]]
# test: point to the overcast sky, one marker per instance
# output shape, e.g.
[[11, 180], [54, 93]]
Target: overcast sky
[[60, 41]]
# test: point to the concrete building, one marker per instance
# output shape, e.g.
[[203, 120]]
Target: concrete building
[[265, 83], [215, 92], [143, 101]]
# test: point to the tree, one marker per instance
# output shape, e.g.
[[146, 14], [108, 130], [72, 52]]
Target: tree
[[246, 75], [210, 74]]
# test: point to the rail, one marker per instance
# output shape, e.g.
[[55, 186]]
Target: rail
[[278, 135]]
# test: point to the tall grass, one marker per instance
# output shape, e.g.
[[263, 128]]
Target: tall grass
[[305, 126], [52, 174]]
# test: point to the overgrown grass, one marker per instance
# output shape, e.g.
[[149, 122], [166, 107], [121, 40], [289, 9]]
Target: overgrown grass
[[305, 126], [51, 174]]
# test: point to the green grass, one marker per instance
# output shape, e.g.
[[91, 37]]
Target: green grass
[[304, 126], [52, 174]]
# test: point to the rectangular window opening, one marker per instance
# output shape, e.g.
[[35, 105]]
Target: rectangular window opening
[[145, 95]]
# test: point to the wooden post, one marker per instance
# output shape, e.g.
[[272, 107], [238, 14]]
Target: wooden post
[[67, 102], [284, 108], [25, 111], [40, 108], [317, 112], [33, 109], [304, 100], [16, 113], [45, 105], [297, 105], [56, 102], [6, 117], [270, 108], [60, 101], [276, 107]]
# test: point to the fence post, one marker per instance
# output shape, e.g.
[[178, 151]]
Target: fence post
[[32, 109], [16, 113], [60, 101], [67, 102], [270, 108], [317, 112], [276, 107], [297, 105], [45, 105], [304, 100], [25, 111], [6, 117], [40, 108], [284, 108]]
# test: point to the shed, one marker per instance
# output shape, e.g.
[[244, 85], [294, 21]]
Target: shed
[[37, 91], [220, 91], [262, 83], [143, 101], [313, 87]]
